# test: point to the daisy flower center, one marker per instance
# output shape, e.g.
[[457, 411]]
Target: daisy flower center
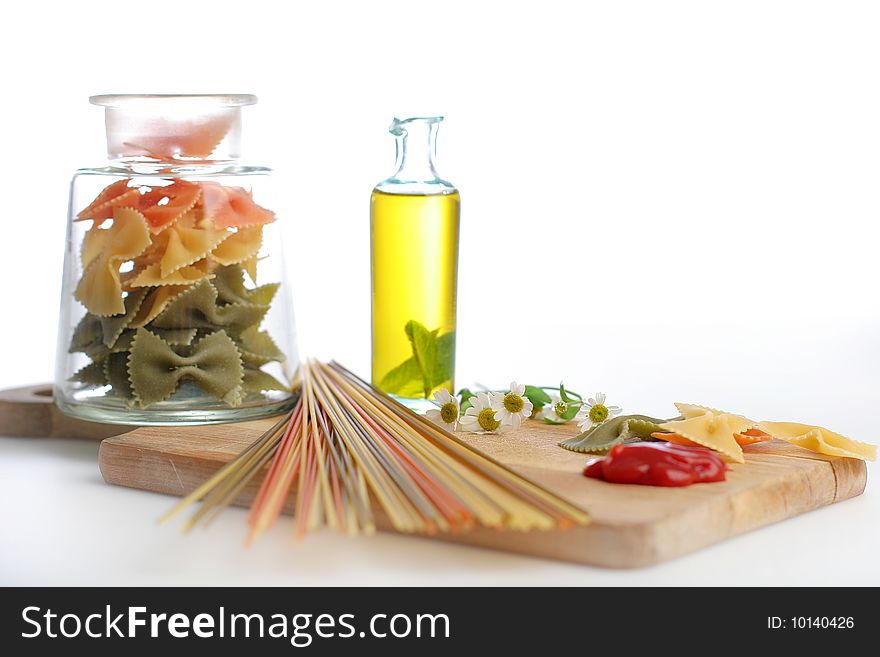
[[560, 407], [487, 421], [598, 413], [448, 412], [513, 403]]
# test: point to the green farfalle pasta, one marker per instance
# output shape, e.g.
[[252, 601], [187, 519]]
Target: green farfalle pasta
[[197, 308], [116, 373], [87, 332], [256, 381], [92, 374], [229, 283], [92, 331], [113, 326], [623, 428], [174, 337], [257, 347], [97, 349], [209, 335], [155, 370]]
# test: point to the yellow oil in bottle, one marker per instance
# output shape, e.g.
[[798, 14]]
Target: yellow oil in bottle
[[414, 252]]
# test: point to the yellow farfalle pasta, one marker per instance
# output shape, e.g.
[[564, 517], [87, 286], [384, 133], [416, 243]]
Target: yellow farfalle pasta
[[104, 251], [250, 266], [820, 440], [688, 411], [710, 428], [184, 243], [241, 246], [155, 303], [152, 276]]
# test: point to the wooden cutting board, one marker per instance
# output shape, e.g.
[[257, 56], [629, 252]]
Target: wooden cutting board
[[631, 525]]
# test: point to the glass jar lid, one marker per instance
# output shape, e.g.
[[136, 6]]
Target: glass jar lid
[[172, 127]]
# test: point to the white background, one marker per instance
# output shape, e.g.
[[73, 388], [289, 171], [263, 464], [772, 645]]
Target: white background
[[665, 201]]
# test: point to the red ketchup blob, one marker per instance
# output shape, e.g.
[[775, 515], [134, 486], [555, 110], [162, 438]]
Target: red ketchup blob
[[657, 464]]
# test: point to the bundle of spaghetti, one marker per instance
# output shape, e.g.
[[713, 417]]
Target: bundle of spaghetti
[[356, 458]]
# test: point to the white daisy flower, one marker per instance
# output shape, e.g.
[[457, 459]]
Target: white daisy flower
[[511, 408], [480, 417], [447, 414], [555, 409], [594, 412]]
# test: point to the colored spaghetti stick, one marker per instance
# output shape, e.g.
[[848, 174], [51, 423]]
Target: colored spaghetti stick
[[348, 448]]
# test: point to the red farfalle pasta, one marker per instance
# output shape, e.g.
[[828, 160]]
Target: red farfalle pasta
[[191, 228], [117, 195], [228, 207], [182, 197]]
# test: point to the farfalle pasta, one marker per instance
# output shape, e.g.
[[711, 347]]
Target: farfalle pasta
[[104, 251], [242, 246], [155, 369], [227, 207], [113, 327], [257, 347], [156, 301], [116, 195], [230, 286], [728, 433], [164, 286], [820, 440], [185, 243], [162, 206], [152, 276], [198, 307], [710, 428]]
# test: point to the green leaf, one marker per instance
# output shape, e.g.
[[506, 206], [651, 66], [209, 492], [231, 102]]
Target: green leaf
[[432, 363], [571, 411], [444, 360], [424, 347], [404, 380], [537, 396], [434, 354], [465, 395], [566, 396]]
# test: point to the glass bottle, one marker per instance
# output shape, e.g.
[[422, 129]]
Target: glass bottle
[[414, 226], [174, 307]]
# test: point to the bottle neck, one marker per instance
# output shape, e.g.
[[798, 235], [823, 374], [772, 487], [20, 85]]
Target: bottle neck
[[416, 148]]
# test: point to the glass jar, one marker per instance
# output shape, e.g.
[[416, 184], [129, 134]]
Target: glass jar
[[414, 225], [174, 307]]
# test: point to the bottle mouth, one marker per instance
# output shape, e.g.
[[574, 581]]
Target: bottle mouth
[[398, 126]]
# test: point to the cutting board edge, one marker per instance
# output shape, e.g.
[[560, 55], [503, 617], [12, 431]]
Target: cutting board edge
[[856, 482]]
